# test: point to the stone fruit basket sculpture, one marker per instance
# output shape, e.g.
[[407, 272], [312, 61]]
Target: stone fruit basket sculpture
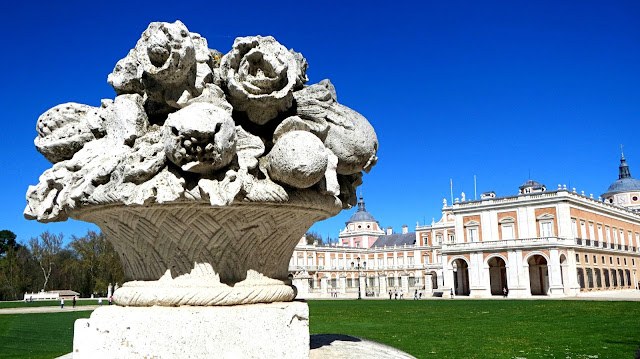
[[206, 169]]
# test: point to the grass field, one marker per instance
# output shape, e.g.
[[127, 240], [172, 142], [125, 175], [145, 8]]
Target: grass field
[[426, 329], [37, 336], [488, 329]]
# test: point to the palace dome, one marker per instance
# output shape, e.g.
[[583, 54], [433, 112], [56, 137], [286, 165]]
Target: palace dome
[[361, 214], [533, 184], [624, 183]]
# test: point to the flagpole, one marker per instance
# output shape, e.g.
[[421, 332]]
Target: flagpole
[[475, 188], [451, 181]]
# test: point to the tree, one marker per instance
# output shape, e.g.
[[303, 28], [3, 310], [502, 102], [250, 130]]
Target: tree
[[313, 236], [7, 241], [44, 250], [97, 262]]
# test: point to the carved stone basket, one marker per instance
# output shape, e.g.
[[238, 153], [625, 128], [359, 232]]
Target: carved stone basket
[[191, 253]]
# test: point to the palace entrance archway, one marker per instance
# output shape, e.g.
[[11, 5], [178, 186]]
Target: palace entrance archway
[[538, 275], [460, 277], [497, 275]]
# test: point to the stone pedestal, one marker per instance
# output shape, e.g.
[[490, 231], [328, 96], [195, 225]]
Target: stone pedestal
[[428, 285], [274, 330]]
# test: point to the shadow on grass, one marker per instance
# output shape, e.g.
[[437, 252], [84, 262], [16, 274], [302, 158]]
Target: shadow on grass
[[320, 340]]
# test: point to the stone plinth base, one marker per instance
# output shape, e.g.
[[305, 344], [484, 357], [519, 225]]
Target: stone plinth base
[[274, 330]]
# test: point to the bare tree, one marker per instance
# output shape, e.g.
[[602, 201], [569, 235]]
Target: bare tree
[[313, 237], [44, 249]]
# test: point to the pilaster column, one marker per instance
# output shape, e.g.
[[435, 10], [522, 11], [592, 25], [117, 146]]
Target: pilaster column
[[342, 284], [383, 284], [555, 273]]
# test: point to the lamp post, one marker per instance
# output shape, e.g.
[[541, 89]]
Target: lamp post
[[358, 267]]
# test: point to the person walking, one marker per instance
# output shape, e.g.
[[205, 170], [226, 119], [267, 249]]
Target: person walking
[[401, 294], [420, 294], [395, 292], [415, 295], [451, 293], [504, 291], [74, 301], [61, 303], [390, 294]]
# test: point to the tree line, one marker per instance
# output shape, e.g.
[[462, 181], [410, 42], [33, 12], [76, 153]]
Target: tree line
[[86, 264]]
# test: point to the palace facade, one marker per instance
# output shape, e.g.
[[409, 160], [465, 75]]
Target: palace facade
[[538, 242]]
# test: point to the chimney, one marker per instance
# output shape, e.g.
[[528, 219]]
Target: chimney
[[405, 229], [389, 230]]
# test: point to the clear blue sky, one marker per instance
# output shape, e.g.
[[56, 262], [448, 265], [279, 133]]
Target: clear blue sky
[[454, 89]]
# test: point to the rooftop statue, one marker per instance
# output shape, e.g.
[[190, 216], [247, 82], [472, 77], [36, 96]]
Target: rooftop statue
[[206, 169]]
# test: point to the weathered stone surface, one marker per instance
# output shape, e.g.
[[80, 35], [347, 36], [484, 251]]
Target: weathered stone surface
[[260, 75], [275, 330], [200, 138], [349, 136], [340, 346], [183, 169], [169, 65], [129, 120], [64, 130], [298, 159], [193, 253]]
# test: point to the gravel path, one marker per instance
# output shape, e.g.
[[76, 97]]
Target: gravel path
[[627, 295], [56, 309]]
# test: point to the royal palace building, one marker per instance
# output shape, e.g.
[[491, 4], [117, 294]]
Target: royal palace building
[[538, 242]]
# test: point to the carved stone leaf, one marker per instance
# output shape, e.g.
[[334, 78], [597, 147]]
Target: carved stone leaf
[[249, 147]]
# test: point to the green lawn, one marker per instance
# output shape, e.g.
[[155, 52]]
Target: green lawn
[[426, 329], [42, 335], [488, 329]]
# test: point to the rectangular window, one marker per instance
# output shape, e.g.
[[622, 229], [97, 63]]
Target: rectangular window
[[592, 231], [594, 260], [600, 232], [583, 230], [472, 234], [380, 262], [451, 238], [615, 235], [400, 261], [618, 261], [586, 258], [610, 260], [507, 231], [546, 229], [439, 238], [603, 261], [390, 261], [607, 231], [574, 228], [577, 258], [410, 260]]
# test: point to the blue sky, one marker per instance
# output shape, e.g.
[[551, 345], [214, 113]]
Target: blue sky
[[500, 90]]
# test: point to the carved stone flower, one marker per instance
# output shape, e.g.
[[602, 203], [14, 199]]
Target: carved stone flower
[[260, 76]]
